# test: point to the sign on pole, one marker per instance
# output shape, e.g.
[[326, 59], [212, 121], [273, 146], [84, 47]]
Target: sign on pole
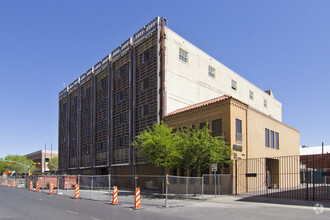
[[214, 167]]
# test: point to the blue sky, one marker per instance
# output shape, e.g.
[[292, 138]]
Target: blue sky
[[283, 45]]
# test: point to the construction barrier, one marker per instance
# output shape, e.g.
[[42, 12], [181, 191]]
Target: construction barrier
[[76, 195], [31, 185], [137, 198], [51, 189], [37, 187], [13, 183], [114, 198], [6, 183]]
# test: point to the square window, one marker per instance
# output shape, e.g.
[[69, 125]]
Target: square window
[[87, 92], [121, 95], [183, 55], [265, 103], [145, 83], [251, 95], [266, 137], [145, 110], [121, 119], [239, 135], [211, 72], [122, 71], [121, 142], [233, 84], [146, 56], [102, 83], [277, 139]]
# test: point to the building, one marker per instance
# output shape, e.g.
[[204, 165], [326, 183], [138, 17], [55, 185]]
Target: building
[[151, 74], [251, 134], [42, 157]]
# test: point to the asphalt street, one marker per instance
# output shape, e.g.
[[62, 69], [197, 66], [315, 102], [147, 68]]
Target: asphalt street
[[23, 204]]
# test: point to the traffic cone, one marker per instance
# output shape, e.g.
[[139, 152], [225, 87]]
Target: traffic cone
[[37, 187], [114, 198], [51, 189], [137, 198], [76, 195]]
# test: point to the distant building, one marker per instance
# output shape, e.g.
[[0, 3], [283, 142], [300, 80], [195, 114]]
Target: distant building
[[42, 157], [154, 73], [305, 150]]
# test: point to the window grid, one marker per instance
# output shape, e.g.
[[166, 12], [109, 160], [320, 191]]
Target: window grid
[[211, 72], [183, 55]]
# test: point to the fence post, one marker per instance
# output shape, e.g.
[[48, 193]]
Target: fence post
[[202, 186], [92, 187], [187, 187], [215, 185], [307, 178], [109, 186], [166, 189], [235, 177], [58, 184]]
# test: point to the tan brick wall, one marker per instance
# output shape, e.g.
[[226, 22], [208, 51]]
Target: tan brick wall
[[288, 137]]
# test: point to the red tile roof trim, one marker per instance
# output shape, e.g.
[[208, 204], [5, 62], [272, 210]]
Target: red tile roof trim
[[198, 105]]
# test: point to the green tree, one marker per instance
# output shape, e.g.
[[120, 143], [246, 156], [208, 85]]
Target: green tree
[[158, 145], [19, 169], [188, 148], [199, 149], [53, 165]]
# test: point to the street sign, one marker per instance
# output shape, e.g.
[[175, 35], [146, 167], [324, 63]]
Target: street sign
[[214, 167]]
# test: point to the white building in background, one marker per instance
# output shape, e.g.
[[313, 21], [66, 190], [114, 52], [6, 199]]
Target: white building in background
[[305, 150], [192, 76]]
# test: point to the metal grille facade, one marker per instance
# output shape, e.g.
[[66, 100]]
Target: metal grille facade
[[101, 112]]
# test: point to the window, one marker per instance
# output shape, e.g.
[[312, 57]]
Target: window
[[266, 137], [102, 105], [146, 56], [265, 103], [64, 107], [73, 136], [121, 119], [101, 125], [101, 146], [233, 84], [86, 132], [47, 160], [74, 100], [145, 83], [183, 55], [211, 72], [102, 83], [74, 118], [121, 96], [87, 92], [145, 110], [86, 112], [121, 142], [238, 130], [251, 95], [272, 139], [203, 125], [216, 128], [121, 71], [277, 143]]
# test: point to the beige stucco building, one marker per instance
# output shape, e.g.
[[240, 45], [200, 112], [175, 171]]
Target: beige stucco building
[[42, 157], [260, 143]]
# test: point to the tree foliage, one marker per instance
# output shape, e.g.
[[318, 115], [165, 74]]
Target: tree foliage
[[189, 148], [19, 169], [53, 164]]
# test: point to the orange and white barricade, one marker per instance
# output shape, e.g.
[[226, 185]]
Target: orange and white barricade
[[114, 197], [13, 183], [51, 188], [76, 194], [137, 198], [31, 185], [6, 183], [37, 187]]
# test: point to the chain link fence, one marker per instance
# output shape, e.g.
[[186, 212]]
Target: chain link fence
[[155, 190]]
